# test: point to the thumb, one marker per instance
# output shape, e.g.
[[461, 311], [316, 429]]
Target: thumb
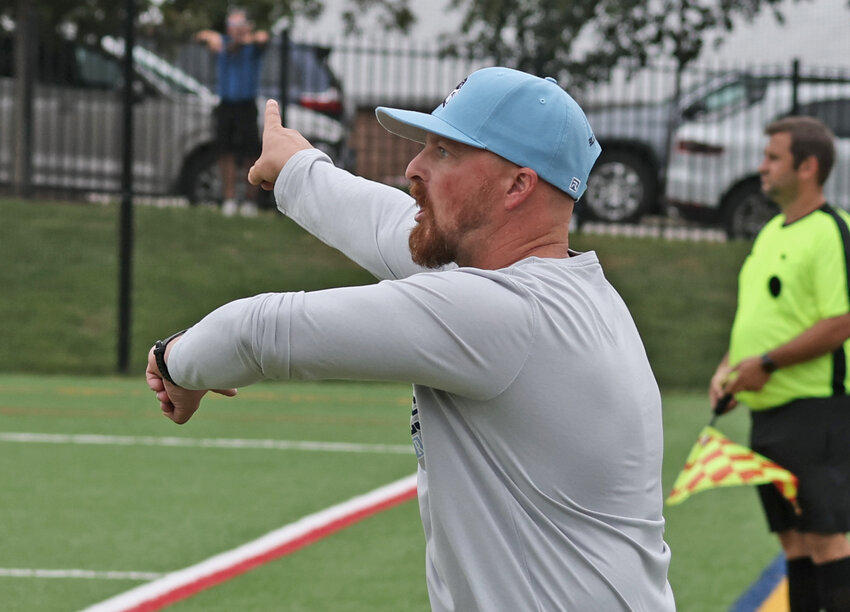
[[225, 392]]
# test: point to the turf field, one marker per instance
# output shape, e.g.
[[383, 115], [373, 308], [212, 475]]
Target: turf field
[[125, 499]]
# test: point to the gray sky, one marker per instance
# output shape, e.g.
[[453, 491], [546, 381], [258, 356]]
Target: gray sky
[[816, 31]]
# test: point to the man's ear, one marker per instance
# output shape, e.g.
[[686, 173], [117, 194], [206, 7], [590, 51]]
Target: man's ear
[[809, 167], [525, 180]]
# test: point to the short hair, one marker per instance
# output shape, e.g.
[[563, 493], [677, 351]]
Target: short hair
[[237, 10], [809, 137]]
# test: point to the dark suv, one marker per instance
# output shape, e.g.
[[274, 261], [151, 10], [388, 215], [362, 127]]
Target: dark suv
[[628, 179]]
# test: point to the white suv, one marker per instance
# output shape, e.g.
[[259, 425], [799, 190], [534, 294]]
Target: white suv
[[713, 162]]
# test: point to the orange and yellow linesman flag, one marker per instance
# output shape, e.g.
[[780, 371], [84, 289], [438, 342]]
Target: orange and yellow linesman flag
[[716, 461]]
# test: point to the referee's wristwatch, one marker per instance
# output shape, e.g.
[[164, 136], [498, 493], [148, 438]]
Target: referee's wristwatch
[[768, 364], [159, 355]]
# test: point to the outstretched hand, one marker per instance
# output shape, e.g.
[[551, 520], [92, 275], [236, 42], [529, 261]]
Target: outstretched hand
[[177, 403], [279, 144]]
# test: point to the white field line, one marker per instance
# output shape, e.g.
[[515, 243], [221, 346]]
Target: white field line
[[182, 583], [235, 443], [14, 572]]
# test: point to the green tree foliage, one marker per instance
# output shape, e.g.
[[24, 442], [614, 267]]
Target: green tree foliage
[[391, 14], [552, 37], [532, 35], [180, 18], [677, 28]]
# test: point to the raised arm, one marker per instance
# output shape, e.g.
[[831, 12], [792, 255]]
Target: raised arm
[[368, 221], [212, 39]]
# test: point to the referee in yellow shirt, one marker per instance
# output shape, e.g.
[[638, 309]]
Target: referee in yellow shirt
[[787, 360]]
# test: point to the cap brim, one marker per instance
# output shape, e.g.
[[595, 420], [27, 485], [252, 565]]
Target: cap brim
[[416, 126]]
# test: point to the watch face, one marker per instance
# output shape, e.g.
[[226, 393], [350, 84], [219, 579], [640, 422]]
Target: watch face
[[768, 365]]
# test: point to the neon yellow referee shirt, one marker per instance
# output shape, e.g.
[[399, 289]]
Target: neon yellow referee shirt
[[794, 276]]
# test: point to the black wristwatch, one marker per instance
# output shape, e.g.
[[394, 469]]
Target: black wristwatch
[[768, 364], [159, 355]]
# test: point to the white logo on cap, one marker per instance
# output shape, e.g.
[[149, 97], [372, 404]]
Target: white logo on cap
[[575, 184], [454, 92]]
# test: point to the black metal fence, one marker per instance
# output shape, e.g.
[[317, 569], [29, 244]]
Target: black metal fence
[[698, 151]]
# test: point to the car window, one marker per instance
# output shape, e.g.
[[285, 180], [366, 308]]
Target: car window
[[834, 113], [308, 71], [728, 97], [166, 75], [96, 71], [313, 74], [731, 95], [178, 82]]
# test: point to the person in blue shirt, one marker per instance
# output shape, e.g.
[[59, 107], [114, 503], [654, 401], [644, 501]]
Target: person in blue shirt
[[239, 52]]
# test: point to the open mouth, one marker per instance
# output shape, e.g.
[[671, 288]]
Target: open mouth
[[417, 192]]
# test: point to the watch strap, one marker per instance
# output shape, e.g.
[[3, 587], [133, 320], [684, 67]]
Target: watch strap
[[768, 364], [159, 355]]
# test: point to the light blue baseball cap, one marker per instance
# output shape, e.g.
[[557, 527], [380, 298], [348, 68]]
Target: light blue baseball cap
[[528, 120]]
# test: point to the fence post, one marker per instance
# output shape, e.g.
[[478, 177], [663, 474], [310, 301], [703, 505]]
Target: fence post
[[26, 35], [795, 86], [125, 241], [284, 73]]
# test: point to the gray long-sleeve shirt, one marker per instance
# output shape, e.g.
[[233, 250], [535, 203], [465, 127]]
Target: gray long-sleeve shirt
[[536, 418]]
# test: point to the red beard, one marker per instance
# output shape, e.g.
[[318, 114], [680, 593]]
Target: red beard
[[432, 246], [429, 247]]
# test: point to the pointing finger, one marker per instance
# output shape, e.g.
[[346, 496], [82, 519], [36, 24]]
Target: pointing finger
[[272, 116]]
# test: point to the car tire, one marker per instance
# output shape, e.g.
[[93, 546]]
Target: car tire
[[746, 209], [202, 181], [621, 188]]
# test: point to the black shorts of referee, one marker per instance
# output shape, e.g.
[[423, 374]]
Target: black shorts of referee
[[236, 130], [811, 439]]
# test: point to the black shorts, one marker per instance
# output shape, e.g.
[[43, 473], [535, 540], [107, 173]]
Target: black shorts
[[811, 438], [236, 130]]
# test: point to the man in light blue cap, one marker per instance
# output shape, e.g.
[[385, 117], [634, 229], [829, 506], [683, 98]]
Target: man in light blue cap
[[522, 118], [536, 418]]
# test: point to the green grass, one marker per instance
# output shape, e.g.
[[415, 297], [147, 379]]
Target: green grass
[[682, 296], [159, 509], [59, 275]]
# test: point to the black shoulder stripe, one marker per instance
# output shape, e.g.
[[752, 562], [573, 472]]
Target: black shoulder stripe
[[839, 358]]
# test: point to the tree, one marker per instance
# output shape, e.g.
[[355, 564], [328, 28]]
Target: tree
[[550, 36], [674, 28], [532, 35], [180, 18]]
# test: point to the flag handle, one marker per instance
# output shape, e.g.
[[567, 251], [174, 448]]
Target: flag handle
[[720, 408]]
